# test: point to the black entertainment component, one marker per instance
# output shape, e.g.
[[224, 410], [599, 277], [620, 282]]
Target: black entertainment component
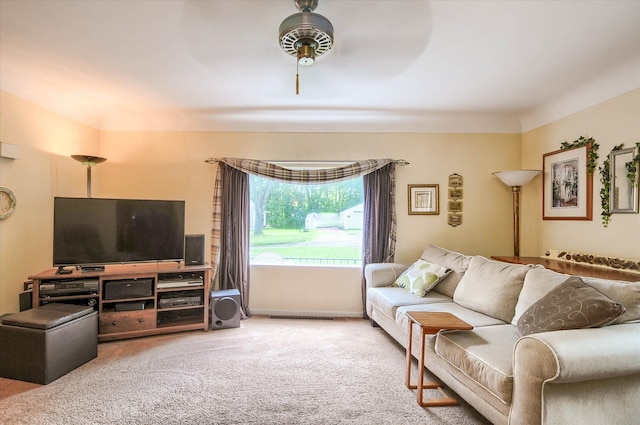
[[130, 306], [176, 280], [128, 288], [91, 269], [59, 288], [180, 299]]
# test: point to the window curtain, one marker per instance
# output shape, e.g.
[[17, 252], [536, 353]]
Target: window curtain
[[230, 258], [379, 227], [234, 233]]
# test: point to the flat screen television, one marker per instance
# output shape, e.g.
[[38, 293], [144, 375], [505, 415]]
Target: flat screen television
[[95, 231]]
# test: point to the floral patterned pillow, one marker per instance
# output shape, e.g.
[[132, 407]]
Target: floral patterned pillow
[[422, 277]]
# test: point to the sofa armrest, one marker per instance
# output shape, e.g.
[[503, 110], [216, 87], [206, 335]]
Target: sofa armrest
[[586, 354], [564, 357], [382, 274]]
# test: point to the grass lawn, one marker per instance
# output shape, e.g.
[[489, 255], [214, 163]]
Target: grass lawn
[[284, 243], [282, 236]]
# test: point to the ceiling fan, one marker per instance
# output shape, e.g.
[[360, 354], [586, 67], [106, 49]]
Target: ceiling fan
[[305, 35]]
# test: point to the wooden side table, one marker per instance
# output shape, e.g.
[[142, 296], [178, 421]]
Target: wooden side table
[[430, 323]]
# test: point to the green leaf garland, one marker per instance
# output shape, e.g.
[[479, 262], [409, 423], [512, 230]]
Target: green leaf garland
[[605, 191], [632, 167], [592, 160]]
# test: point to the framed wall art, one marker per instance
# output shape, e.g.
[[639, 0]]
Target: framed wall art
[[454, 220], [455, 180], [423, 199], [455, 194], [567, 186], [455, 206]]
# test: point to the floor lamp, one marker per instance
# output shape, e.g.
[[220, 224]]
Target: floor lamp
[[88, 161], [516, 179]]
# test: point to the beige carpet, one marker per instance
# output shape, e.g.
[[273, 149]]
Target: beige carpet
[[268, 371]]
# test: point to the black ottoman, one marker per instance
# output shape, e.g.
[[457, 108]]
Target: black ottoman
[[41, 345]]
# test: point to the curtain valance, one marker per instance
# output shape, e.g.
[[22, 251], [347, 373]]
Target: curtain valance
[[325, 175]]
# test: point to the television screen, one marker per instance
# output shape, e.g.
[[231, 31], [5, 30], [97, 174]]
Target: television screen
[[94, 231]]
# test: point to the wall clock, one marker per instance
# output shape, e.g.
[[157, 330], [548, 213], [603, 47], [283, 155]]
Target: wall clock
[[7, 202]]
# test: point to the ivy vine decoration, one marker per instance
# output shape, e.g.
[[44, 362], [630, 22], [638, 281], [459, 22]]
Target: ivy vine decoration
[[592, 160], [605, 191], [632, 167]]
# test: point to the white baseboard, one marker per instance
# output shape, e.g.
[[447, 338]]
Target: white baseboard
[[305, 313]]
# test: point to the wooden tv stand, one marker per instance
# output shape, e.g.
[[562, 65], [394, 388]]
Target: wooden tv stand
[[133, 300]]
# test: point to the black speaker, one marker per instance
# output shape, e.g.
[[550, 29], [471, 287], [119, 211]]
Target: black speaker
[[193, 250], [128, 288], [26, 300], [225, 309]]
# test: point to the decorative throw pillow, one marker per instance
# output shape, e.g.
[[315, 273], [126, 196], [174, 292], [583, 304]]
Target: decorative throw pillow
[[421, 277], [571, 305], [455, 261]]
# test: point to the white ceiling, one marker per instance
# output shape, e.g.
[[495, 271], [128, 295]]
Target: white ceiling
[[396, 66]]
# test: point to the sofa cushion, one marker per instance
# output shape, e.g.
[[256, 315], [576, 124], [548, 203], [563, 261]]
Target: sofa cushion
[[421, 277], [484, 354], [540, 281], [388, 299], [570, 305], [491, 287], [450, 259], [473, 318]]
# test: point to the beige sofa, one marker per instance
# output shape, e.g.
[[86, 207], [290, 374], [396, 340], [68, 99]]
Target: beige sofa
[[560, 377]]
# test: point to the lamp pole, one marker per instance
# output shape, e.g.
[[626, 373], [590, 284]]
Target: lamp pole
[[516, 220], [516, 179]]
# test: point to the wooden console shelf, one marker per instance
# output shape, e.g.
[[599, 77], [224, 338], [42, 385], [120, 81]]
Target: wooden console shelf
[[129, 300], [568, 267]]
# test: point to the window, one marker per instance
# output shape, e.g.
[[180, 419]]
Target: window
[[306, 224]]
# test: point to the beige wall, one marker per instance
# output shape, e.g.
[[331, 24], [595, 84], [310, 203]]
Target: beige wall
[[609, 123], [44, 169], [170, 165]]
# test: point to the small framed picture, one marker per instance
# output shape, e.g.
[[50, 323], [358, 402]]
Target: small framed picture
[[454, 220], [455, 194], [423, 199], [455, 180], [455, 206]]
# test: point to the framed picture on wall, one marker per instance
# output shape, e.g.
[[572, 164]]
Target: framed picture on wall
[[455, 180], [454, 220], [455, 194], [567, 187], [423, 199], [455, 206]]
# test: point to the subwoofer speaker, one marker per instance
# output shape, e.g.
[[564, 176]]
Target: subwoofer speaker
[[193, 250], [225, 309]]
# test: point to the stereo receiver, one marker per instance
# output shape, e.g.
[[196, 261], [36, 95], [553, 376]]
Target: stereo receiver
[[68, 287]]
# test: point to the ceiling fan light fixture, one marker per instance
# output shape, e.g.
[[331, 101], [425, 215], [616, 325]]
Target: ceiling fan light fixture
[[306, 54], [305, 32]]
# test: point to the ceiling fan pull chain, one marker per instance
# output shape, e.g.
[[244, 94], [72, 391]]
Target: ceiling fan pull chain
[[297, 80]]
